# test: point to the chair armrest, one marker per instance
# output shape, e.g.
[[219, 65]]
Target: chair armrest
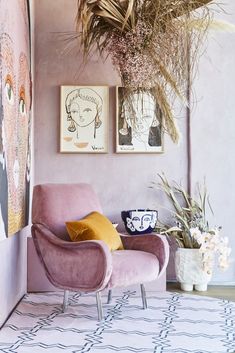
[[79, 266], [153, 243]]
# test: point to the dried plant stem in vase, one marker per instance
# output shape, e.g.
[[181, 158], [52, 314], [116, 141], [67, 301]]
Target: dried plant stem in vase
[[198, 243]]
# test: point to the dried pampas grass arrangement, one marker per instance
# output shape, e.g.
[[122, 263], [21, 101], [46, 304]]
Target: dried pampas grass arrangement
[[154, 44]]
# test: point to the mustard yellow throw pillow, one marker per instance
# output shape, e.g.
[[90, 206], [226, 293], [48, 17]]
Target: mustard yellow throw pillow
[[95, 226]]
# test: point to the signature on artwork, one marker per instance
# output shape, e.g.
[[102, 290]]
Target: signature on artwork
[[127, 148], [96, 148]]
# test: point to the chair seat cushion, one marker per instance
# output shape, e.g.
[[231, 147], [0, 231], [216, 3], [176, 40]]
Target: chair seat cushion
[[95, 226], [132, 267]]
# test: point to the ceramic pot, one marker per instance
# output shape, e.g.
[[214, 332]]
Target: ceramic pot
[[189, 270], [139, 221]]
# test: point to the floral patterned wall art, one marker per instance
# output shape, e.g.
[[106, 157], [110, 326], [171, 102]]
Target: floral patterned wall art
[[15, 102]]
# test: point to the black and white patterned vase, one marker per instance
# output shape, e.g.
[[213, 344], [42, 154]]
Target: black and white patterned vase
[[140, 221]]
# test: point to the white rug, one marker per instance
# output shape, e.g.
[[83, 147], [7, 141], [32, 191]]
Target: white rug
[[173, 323]]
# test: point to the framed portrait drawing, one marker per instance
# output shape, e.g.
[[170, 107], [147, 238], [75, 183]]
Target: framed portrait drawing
[[84, 119], [138, 122]]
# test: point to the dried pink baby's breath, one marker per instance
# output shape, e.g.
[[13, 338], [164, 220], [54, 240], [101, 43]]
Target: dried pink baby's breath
[[130, 56], [153, 44]]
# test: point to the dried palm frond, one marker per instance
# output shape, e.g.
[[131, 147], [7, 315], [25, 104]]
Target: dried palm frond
[[169, 124], [188, 212], [149, 42]]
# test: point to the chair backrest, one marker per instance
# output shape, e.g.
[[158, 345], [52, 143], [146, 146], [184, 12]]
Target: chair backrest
[[54, 204]]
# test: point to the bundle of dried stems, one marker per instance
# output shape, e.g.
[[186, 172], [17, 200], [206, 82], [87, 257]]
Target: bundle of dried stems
[[154, 44]]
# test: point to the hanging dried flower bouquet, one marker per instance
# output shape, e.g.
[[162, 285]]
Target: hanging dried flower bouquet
[[153, 44]]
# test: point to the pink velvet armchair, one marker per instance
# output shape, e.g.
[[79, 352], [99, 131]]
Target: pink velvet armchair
[[89, 266]]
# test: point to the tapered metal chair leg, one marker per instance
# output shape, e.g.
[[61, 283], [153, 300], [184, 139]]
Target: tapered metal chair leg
[[143, 294], [99, 306], [65, 302], [109, 296]]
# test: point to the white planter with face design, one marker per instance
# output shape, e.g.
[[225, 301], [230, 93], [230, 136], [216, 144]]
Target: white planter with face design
[[139, 221]]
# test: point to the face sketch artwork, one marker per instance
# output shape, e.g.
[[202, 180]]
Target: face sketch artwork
[[84, 108], [84, 119], [141, 122]]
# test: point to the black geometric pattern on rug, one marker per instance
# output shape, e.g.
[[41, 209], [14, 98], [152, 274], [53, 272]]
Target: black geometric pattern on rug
[[173, 323]]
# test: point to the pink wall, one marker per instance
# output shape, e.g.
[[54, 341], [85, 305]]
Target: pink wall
[[122, 181], [213, 126], [13, 272]]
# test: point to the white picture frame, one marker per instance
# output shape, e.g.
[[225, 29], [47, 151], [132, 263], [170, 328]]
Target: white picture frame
[[84, 119], [138, 122]]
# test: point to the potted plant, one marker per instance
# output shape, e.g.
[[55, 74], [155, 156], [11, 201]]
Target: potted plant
[[197, 241]]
